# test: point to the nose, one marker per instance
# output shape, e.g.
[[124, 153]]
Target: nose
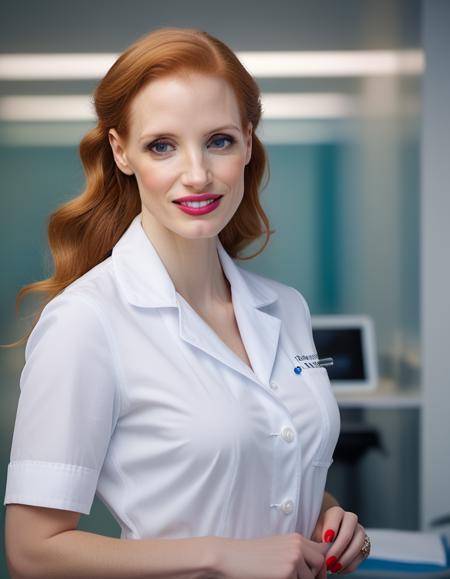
[[196, 173]]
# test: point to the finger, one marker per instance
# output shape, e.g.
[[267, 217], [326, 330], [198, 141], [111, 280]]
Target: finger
[[313, 555], [322, 574], [331, 522], [349, 526], [353, 549], [323, 548], [303, 571], [311, 561], [353, 565]]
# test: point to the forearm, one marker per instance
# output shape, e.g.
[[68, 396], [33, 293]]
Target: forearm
[[77, 554], [328, 501]]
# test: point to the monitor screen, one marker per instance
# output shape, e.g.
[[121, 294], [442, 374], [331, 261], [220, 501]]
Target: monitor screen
[[350, 341], [345, 347]]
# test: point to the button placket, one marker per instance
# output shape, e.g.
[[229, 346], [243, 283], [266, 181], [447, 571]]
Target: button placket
[[285, 488]]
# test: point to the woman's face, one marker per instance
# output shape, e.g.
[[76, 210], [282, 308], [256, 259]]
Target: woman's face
[[186, 139]]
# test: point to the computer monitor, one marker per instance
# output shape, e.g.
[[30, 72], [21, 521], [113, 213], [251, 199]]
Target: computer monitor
[[350, 341]]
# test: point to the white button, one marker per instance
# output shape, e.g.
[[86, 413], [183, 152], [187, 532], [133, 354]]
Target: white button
[[287, 506], [274, 385], [287, 434]]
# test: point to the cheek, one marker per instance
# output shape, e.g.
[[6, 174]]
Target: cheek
[[153, 179], [232, 172]]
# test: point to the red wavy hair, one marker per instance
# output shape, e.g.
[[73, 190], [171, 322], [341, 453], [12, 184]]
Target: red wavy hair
[[83, 231]]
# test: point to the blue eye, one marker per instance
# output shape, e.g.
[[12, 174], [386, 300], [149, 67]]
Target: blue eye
[[222, 141], [159, 147]]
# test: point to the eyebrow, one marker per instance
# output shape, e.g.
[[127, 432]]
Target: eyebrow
[[155, 136]]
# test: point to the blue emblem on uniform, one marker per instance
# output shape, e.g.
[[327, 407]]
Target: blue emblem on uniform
[[297, 370]]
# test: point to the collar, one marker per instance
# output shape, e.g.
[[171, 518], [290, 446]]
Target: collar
[[145, 282]]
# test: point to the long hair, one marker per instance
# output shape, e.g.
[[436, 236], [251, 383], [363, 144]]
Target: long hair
[[83, 231]]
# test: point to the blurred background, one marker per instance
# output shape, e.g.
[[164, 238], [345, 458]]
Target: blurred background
[[345, 127]]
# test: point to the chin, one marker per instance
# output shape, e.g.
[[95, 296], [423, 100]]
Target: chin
[[201, 234], [197, 231]]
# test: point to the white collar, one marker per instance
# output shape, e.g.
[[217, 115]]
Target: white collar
[[145, 281]]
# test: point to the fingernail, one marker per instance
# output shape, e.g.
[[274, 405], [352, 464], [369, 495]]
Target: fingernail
[[336, 568], [331, 561], [329, 536]]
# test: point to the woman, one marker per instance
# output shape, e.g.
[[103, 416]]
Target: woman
[[160, 374]]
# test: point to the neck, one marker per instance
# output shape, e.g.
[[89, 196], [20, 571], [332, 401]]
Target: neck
[[193, 266]]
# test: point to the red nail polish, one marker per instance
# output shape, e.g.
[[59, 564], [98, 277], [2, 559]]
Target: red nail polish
[[336, 568], [329, 536], [331, 561]]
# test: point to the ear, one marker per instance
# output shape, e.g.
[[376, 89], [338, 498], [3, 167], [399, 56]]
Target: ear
[[248, 142], [119, 153]]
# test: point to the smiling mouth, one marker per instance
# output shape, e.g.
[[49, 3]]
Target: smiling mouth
[[197, 204]]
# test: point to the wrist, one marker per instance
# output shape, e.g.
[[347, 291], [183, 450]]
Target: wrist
[[328, 502]]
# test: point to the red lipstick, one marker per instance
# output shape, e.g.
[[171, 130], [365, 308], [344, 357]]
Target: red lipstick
[[199, 197], [209, 201]]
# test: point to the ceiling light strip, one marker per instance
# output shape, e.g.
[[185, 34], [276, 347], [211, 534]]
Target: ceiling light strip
[[80, 108], [334, 64], [260, 64], [47, 108]]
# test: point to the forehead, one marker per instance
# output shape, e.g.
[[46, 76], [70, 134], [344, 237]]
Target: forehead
[[178, 102]]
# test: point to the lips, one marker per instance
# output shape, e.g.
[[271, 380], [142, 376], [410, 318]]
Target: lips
[[197, 208], [199, 197]]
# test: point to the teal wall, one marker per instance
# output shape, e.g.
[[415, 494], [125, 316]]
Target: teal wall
[[301, 202]]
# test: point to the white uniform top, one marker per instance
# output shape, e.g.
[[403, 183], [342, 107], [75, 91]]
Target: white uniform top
[[129, 393]]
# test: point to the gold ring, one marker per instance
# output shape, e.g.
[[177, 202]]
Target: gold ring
[[365, 549]]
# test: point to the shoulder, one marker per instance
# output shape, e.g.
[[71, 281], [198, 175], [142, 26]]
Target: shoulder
[[77, 316], [90, 296], [96, 285]]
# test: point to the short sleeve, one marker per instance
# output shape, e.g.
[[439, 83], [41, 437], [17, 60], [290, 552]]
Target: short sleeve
[[67, 409]]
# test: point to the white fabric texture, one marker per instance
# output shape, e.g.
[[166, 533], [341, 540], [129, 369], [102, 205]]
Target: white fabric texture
[[128, 393]]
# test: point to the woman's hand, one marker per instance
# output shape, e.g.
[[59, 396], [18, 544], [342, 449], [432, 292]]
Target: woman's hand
[[289, 556], [341, 529]]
